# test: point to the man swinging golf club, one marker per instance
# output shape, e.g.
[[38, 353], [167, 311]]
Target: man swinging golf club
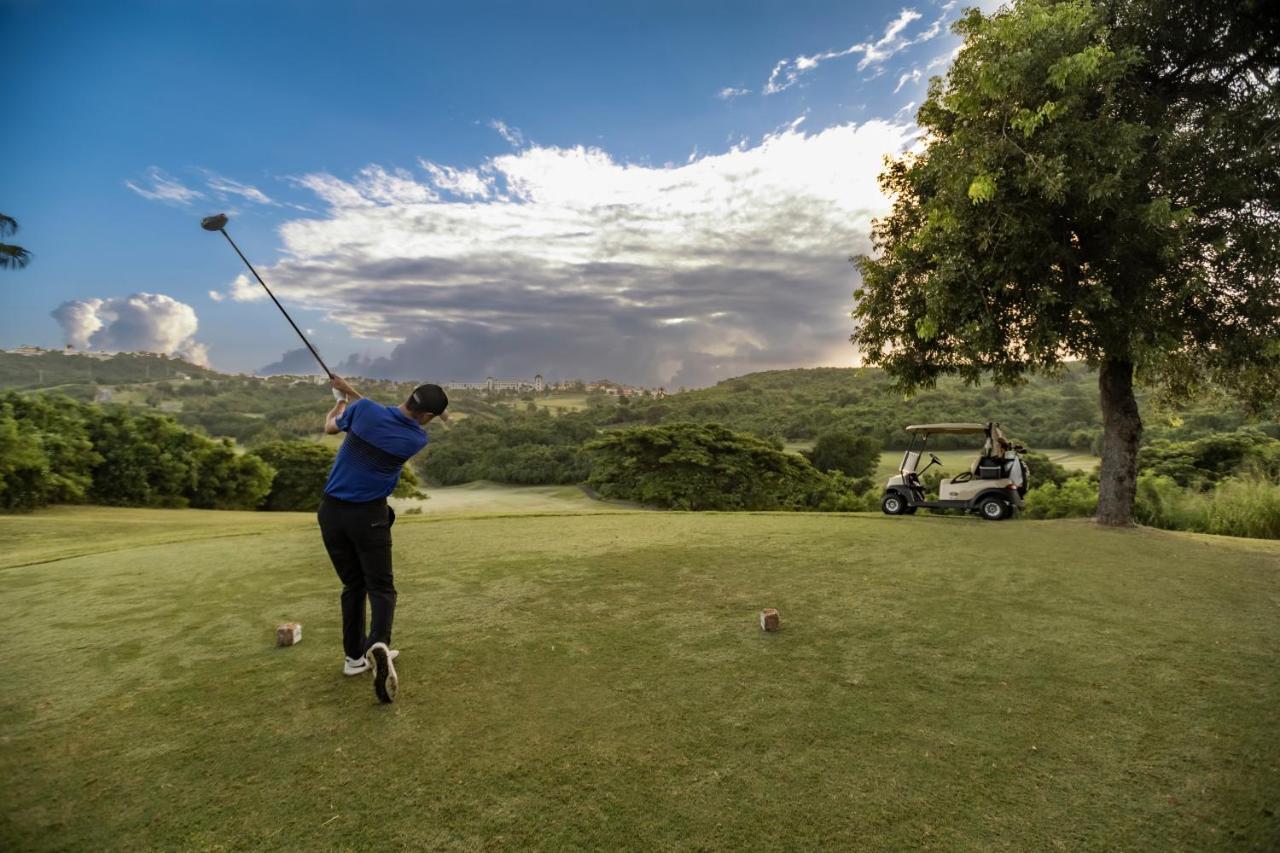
[[355, 520]]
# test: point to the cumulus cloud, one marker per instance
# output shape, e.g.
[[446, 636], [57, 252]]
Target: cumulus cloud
[[576, 264], [164, 187], [149, 322], [467, 183], [728, 93], [242, 289]]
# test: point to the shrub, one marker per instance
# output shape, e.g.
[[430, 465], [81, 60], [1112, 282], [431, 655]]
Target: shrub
[[854, 455], [534, 448], [301, 469], [1044, 471], [1076, 497], [1206, 460], [704, 467]]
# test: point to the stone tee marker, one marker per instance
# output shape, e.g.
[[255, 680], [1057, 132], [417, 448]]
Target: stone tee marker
[[769, 620], [289, 634]]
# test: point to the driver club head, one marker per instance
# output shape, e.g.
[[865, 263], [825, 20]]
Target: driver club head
[[214, 223]]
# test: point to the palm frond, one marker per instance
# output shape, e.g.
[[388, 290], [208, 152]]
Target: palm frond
[[13, 257], [8, 225]]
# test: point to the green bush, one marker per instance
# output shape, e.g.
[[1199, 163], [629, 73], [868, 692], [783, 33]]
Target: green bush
[[704, 467], [301, 469], [854, 455], [59, 450], [1076, 497], [1044, 471], [526, 448], [45, 453], [1204, 461]]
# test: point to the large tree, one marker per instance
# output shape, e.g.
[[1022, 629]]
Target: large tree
[[11, 255], [1097, 182]]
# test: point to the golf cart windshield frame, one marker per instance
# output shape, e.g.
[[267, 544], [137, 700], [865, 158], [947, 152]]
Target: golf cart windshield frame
[[920, 433]]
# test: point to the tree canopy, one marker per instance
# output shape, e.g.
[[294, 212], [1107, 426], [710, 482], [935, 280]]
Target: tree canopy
[[1099, 182]]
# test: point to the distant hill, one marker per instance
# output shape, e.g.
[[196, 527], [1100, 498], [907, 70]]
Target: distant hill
[[802, 404], [51, 368], [791, 405]]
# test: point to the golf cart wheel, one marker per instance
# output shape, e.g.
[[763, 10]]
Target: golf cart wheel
[[994, 509], [893, 504]]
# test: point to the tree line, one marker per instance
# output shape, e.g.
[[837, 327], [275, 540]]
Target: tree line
[[57, 450]]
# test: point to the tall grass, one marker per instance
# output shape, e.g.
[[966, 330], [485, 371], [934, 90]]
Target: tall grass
[[1245, 505], [1237, 506]]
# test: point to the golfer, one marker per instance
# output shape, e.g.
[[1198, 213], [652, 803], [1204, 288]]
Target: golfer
[[355, 520]]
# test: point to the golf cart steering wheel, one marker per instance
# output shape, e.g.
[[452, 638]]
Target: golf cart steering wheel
[[934, 458]]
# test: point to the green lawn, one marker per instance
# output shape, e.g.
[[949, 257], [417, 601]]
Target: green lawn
[[598, 681]]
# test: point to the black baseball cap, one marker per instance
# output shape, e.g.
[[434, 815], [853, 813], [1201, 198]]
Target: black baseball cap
[[429, 398]]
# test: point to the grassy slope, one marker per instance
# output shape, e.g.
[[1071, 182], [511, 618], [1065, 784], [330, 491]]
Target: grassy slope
[[598, 681]]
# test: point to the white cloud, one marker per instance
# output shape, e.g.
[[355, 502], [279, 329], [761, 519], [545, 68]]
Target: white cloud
[[245, 290], [576, 263], [149, 322], [223, 186], [891, 42], [165, 188], [728, 93], [216, 296], [944, 59], [512, 134], [911, 76], [468, 183], [787, 72]]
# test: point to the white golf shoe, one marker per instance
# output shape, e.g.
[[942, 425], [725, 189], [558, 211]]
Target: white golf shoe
[[357, 666], [385, 682]]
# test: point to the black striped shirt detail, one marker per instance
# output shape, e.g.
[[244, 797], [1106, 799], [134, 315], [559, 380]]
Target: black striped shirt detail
[[361, 454]]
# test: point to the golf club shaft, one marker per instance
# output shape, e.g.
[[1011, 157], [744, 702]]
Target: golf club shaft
[[323, 366]]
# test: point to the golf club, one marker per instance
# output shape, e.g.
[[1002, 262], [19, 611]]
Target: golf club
[[218, 222]]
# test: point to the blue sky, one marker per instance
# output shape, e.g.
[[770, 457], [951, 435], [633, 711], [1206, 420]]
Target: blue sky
[[661, 192]]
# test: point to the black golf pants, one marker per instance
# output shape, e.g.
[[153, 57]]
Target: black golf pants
[[358, 539]]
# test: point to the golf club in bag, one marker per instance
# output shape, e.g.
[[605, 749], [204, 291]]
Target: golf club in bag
[[218, 223]]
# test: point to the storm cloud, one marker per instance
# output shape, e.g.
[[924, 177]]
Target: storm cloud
[[565, 262]]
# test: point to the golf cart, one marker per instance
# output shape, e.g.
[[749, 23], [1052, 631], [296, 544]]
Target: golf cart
[[993, 487]]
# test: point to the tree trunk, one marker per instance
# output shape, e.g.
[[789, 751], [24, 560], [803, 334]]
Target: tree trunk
[[1121, 431]]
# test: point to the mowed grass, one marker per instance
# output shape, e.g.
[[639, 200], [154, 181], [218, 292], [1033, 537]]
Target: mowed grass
[[599, 682], [483, 497], [555, 402]]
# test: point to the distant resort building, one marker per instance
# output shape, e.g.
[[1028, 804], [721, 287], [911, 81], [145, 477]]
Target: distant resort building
[[491, 384]]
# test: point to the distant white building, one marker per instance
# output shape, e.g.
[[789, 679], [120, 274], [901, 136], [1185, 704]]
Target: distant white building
[[491, 384]]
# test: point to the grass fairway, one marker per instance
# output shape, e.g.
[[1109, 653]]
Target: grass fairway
[[598, 681]]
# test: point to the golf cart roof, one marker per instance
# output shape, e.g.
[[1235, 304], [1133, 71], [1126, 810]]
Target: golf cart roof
[[947, 428]]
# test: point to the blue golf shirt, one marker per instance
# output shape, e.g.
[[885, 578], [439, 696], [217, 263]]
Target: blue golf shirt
[[380, 439]]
